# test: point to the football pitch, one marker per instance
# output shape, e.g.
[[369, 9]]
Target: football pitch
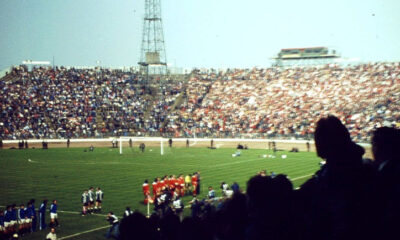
[[64, 173]]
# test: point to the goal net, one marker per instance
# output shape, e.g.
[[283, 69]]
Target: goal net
[[141, 144]]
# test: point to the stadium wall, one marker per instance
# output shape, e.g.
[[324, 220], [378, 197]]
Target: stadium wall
[[177, 142]]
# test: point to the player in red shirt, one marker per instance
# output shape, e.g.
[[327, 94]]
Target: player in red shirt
[[194, 183], [173, 183], [160, 184], [155, 187], [180, 183], [146, 191], [166, 181]]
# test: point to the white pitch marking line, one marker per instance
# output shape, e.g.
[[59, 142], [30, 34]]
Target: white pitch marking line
[[237, 162], [88, 231], [297, 178], [94, 214], [72, 212]]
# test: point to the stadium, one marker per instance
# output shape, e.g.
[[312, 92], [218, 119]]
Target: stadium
[[305, 148]]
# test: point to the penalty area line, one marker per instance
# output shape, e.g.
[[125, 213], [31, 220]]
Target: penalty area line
[[81, 233]]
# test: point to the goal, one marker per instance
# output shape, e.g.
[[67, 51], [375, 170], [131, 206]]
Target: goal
[[126, 143]]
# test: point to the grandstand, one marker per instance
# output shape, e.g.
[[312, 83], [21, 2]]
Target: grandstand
[[251, 103]]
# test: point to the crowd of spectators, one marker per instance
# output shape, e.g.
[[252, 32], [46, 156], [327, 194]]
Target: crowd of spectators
[[60, 102], [257, 102], [181, 122], [348, 198], [163, 104], [281, 102]]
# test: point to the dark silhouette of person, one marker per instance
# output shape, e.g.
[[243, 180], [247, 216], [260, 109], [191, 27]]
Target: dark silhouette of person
[[308, 146], [170, 142], [26, 144], [334, 202], [137, 226], [386, 152], [68, 142], [170, 227], [235, 187], [187, 142], [195, 229], [269, 207], [385, 147], [232, 219]]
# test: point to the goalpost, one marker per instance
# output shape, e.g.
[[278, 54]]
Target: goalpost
[[135, 141]]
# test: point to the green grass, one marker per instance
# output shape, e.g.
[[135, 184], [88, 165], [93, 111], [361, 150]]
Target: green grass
[[63, 174]]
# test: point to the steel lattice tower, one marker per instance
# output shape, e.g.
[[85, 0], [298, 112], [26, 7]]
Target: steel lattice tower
[[153, 57]]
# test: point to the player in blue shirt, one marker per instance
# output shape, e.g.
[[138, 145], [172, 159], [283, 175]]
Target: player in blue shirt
[[14, 216], [53, 214], [29, 215], [7, 221], [22, 219], [31, 206], [42, 214]]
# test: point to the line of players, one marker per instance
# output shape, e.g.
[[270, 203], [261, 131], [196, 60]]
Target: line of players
[[169, 190], [91, 201], [188, 185], [180, 186], [23, 219]]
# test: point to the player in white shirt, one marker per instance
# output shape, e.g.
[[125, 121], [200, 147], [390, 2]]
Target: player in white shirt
[[178, 207], [99, 199], [91, 199]]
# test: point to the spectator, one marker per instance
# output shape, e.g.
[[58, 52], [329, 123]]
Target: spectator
[[335, 200], [386, 151], [52, 235]]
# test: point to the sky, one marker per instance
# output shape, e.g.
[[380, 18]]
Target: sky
[[197, 33]]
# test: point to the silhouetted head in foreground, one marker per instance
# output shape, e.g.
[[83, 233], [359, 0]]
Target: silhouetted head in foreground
[[386, 144], [332, 140], [266, 194], [136, 226]]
